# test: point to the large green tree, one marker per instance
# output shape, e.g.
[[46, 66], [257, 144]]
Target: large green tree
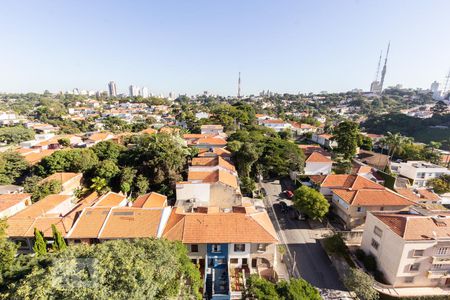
[[347, 136], [311, 202], [134, 269], [361, 283], [15, 134], [8, 250], [12, 167], [75, 160]]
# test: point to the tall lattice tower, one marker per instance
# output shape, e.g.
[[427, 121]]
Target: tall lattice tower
[[383, 72], [447, 79], [239, 86]]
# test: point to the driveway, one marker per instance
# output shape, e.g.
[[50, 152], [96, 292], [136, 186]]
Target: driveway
[[310, 260]]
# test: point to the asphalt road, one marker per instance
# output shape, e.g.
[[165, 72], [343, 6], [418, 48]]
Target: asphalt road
[[311, 261]]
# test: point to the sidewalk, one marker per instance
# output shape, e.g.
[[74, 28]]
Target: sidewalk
[[411, 292]]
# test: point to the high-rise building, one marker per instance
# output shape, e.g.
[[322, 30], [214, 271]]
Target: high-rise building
[[112, 89], [133, 91], [434, 86], [144, 92]]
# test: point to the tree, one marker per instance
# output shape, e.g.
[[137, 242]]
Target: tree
[[15, 134], [40, 246], [65, 142], [119, 269], [74, 160], [260, 289], [39, 189], [107, 169], [440, 185], [126, 179], [365, 143], [58, 241], [100, 185], [141, 184], [108, 150], [245, 157], [311, 202], [8, 250], [439, 108], [347, 136], [395, 141], [361, 283], [12, 167], [297, 288]]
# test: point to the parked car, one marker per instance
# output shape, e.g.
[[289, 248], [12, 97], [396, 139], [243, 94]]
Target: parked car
[[283, 207], [289, 194]]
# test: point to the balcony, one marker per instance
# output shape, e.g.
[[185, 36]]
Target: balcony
[[438, 274], [441, 260], [238, 281]]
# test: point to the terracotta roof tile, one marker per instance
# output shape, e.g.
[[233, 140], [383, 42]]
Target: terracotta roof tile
[[9, 200], [317, 157], [212, 162], [110, 199], [372, 197], [150, 200], [62, 177], [213, 177]]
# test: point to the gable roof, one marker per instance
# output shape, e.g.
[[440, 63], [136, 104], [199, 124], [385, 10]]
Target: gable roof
[[100, 136], [62, 177], [317, 157], [220, 228], [151, 200], [418, 194], [346, 181], [372, 197], [110, 199], [9, 200], [213, 141], [213, 177], [212, 162]]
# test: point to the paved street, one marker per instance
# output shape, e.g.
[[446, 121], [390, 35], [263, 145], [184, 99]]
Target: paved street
[[311, 261]]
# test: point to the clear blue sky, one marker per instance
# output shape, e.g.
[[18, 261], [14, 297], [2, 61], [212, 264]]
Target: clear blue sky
[[189, 46]]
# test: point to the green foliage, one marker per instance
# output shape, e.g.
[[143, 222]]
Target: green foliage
[[15, 134], [65, 142], [12, 167], [440, 185], [361, 283], [119, 269], [58, 241], [100, 185], [245, 157], [310, 202], [74, 160], [260, 288], [370, 263], [248, 185], [40, 246], [8, 250], [107, 169], [39, 190], [141, 184], [296, 289], [335, 244], [365, 143], [347, 137], [108, 150], [115, 124]]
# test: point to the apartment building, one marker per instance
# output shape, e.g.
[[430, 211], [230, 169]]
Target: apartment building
[[412, 248], [419, 172]]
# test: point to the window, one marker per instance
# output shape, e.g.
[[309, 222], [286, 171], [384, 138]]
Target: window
[[194, 248], [233, 260], [382, 208], [261, 247], [442, 250], [194, 261], [375, 244], [437, 266], [239, 247], [414, 267], [409, 279], [420, 175], [215, 248], [418, 253], [377, 231], [244, 262], [359, 209]]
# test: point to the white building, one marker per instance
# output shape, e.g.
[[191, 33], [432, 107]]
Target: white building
[[133, 91], [411, 249], [144, 92], [318, 164], [112, 89], [419, 171], [276, 124]]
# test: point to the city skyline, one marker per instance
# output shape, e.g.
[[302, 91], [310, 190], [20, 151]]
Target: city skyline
[[188, 48]]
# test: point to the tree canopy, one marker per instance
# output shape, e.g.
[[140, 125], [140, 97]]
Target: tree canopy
[[12, 167], [15, 134], [347, 136], [311, 202], [119, 269]]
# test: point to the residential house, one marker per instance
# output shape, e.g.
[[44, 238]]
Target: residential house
[[211, 129], [201, 115], [317, 164], [276, 124], [303, 128], [97, 137], [418, 172], [69, 181], [412, 249], [324, 140], [11, 204], [352, 196], [228, 246], [420, 196], [213, 152], [373, 159]]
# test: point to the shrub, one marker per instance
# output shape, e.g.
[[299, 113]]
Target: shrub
[[370, 263]]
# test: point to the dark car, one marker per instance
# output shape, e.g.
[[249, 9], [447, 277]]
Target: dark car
[[283, 207]]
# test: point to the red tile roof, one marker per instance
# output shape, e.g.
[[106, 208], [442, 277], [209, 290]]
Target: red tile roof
[[372, 197], [317, 157]]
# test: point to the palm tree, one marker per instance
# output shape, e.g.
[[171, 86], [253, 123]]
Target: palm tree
[[99, 184], [395, 141]]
